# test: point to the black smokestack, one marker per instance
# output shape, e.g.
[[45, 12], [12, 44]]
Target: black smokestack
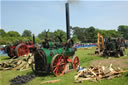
[[34, 39], [67, 20]]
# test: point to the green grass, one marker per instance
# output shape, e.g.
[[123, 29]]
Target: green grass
[[68, 78]]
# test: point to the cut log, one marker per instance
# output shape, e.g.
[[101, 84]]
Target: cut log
[[51, 81], [19, 62], [26, 66], [30, 61], [76, 77], [18, 67], [92, 72]]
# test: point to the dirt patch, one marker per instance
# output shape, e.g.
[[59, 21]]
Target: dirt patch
[[122, 63]]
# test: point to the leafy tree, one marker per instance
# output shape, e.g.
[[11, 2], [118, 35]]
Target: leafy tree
[[109, 33], [13, 34], [85, 34], [90, 34], [27, 33], [43, 35], [61, 34], [75, 39], [52, 35], [80, 33], [2, 33], [123, 29]]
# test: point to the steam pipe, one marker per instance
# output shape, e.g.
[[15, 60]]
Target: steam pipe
[[34, 39], [67, 20]]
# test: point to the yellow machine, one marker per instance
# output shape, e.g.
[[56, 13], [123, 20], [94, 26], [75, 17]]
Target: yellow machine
[[100, 46], [110, 47]]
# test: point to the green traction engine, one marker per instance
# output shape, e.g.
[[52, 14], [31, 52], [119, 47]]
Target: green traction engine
[[54, 56]]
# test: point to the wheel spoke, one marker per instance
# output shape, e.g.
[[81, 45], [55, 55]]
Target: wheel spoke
[[62, 64], [60, 57], [54, 69], [54, 66]]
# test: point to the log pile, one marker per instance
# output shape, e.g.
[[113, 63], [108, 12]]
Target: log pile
[[95, 73], [20, 63]]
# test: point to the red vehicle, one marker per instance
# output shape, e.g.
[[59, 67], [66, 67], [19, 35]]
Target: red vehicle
[[20, 49]]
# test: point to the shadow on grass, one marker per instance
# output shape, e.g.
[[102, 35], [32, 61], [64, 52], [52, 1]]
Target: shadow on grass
[[127, 75], [40, 75]]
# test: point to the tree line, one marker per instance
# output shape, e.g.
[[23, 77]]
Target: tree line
[[79, 34]]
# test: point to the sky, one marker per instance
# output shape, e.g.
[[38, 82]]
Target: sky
[[18, 15]]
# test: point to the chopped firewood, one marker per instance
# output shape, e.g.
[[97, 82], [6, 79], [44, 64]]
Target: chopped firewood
[[51, 81], [95, 73], [20, 63]]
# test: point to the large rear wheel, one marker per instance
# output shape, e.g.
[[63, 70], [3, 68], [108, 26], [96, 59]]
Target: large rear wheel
[[21, 50], [39, 65]]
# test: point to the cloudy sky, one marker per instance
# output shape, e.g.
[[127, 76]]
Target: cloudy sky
[[18, 15]]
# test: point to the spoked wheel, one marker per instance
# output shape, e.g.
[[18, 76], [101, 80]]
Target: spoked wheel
[[58, 65], [21, 50], [75, 62]]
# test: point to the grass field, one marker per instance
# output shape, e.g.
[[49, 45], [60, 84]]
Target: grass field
[[68, 78]]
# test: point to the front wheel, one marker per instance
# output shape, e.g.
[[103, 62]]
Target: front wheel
[[75, 62], [58, 65]]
